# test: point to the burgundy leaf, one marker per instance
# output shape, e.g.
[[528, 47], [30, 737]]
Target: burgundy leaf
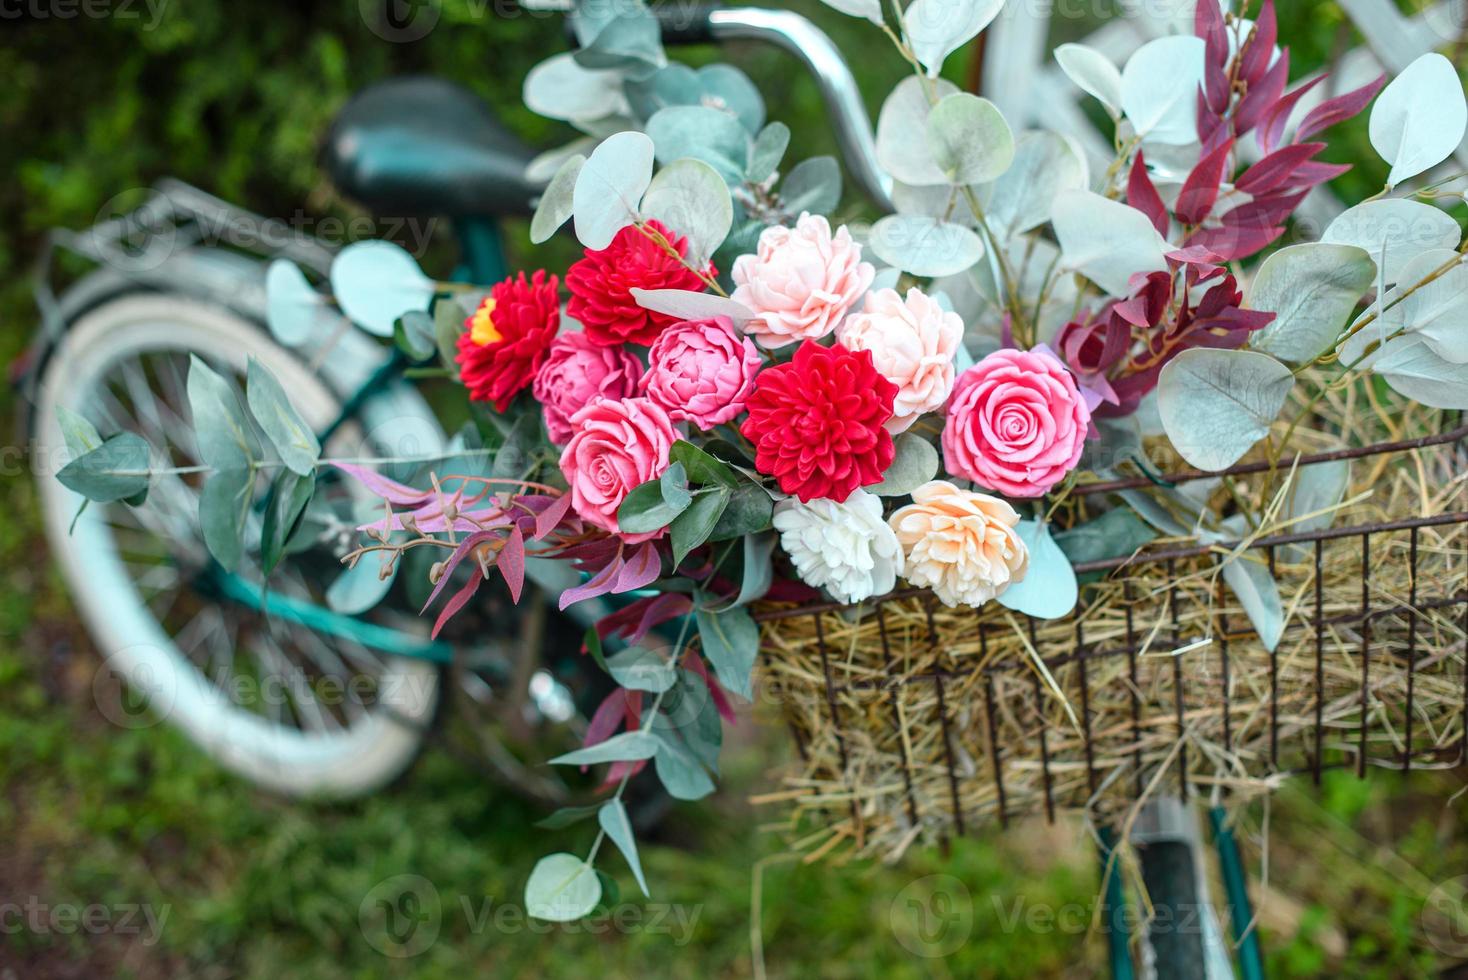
[[638, 618], [1272, 126], [1273, 170], [622, 769], [390, 490], [1311, 175], [1262, 95], [1338, 109], [1265, 212], [1200, 190], [605, 720], [641, 569], [511, 562], [550, 518], [1142, 194], [1260, 46], [457, 602], [465, 546], [721, 700], [1233, 242], [600, 584]]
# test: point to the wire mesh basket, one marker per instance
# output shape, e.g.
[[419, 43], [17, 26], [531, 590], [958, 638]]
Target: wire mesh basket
[[914, 721]]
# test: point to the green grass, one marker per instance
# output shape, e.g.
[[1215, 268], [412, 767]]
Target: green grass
[[232, 97]]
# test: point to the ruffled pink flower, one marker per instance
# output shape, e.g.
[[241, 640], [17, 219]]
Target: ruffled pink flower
[[913, 343], [576, 373], [701, 371], [800, 282], [617, 446], [1016, 424]]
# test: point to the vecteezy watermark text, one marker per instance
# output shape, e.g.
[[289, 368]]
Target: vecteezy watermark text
[[41, 918]]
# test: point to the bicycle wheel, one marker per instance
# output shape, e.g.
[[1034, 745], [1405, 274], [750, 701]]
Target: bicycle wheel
[[293, 710]]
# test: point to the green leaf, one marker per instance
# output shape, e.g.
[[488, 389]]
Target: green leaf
[[925, 246], [284, 507], [1215, 404], [376, 282], [702, 133], [226, 439], [969, 139], [640, 669], [689, 710], [1049, 589], [914, 463], [592, 641], [693, 527], [448, 324], [749, 511], [224, 507], [759, 570], [654, 505], [568, 815], [1115, 534], [702, 469], [609, 187], [626, 747], [292, 307], [114, 470], [1394, 231], [1413, 369], [1312, 289], [414, 333], [81, 436], [937, 28], [812, 185], [556, 207], [562, 887], [359, 588], [1259, 595], [1419, 119], [631, 41], [690, 197], [680, 773], [769, 149], [613, 819], [731, 643], [282, 424]]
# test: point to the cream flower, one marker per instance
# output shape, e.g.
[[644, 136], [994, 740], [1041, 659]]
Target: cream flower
[[960, 544], [800, 282], [846, 549], [913, 344]]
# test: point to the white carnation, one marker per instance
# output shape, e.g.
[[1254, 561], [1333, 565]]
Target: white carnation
[[846, 549]]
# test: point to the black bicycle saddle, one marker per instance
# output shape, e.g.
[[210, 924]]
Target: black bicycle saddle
[[422, 146]]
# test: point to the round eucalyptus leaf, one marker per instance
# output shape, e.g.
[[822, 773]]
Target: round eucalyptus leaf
[[969, 139], [1419, 119], [1215, 404], [925, 246], [1394, 231], [562, 888], [1049, 589], [559, 88], [691, 198], [1045, 166], [767, 152], [557, 202], [812, 185], [703, 133], [1414, 370], [609, 187], [902, 132], [360, 587], [937, 28], [1159, 90], [688, 305], [1312, 289], [728, 89], [1106, 241], [292, 306], [870, 9], [914, 462], [376, 282], [1093, 73]]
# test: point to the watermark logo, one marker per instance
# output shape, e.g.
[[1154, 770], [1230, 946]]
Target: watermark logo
[[142, 697], [1445, 917], [400, 917], [933, 916], [400, 21]]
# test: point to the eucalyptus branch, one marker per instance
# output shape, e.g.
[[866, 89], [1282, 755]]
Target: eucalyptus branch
[[658, 239]]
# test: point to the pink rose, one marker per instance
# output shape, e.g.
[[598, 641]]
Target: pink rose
[[801, 281], [618, 446], [913, 344], [1016, 423], [576, 373], [702, 371]]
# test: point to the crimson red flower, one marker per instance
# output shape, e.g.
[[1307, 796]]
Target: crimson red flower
[[505, 341], [601, 286], [817, 422]]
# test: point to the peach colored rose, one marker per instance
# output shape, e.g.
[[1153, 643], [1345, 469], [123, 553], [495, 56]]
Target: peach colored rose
[[913, 344], [577, 372], [960, 544], [701, 371], [800, 282], [617, 446], [1016, 423]]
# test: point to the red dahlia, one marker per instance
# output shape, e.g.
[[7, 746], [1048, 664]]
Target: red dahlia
[[817, 422], [601, 286], [506, 339]]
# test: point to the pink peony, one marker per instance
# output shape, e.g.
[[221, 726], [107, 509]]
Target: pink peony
[[617, 446], [1016, 423], [913, 344], [702, 371], [801, 282], [576, 373]]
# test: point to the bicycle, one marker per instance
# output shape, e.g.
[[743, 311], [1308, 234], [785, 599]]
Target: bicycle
[[115, 344]]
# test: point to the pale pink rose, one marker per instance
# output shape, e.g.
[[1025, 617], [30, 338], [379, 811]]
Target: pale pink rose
[[960, 544], [701, 371], [617, 446], [913, 344], [801, 281], [576, 373], [1016, 423]]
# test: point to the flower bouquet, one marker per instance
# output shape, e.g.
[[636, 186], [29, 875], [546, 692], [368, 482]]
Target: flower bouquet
[[1029, 492]]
